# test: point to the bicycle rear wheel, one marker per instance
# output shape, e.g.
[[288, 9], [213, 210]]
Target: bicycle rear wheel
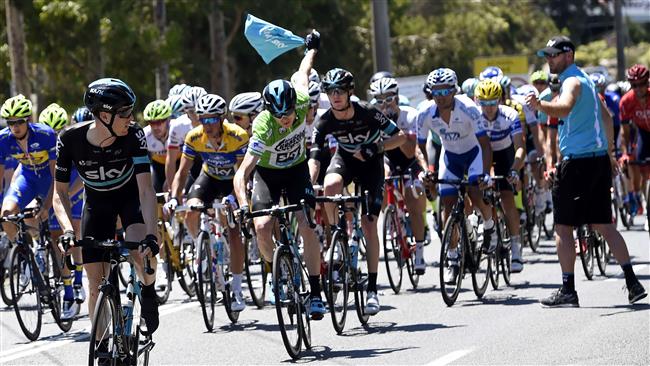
[[505, 259], [164, 274], [480, 269], [586, 250], [548, 224], [452, 269], [414, 278], [205, 290], [392, 249], [25, 292], [187, 275], [256, 273], [338, 281], [104, 333], [5, 286], [600, 250], [227, 293], [535, 231], [55, 283], [288, 306]]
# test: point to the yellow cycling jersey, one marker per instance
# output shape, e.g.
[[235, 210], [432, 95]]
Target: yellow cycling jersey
[[519, 108], [219, 162]]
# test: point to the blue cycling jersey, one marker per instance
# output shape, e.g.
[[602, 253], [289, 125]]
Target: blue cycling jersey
[[41, 148]]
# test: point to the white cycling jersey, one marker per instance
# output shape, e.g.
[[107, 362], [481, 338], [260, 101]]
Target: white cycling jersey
[[157, 149], [505, 125], [462, 132], [407, 121], [178, 129]]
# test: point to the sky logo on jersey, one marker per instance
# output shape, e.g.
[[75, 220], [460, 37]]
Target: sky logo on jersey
[[102, 174], [269, 40], [354, 139]]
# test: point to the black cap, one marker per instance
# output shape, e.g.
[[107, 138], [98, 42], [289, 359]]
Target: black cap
[[557, 44]]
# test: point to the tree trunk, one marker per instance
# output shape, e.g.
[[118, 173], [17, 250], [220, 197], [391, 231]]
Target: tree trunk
[[219, 75], [17, 55], [162, 71], [94, 55]]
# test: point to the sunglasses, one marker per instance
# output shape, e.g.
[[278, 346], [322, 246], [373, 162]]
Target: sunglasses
[[283, 114], [442, 92], [488, 103], [554, 55], [16, 122], [639, 85], [389, 99], [158, 122], [125, 112], [210, 120], [238, 117], [336, 91], [540, 82]]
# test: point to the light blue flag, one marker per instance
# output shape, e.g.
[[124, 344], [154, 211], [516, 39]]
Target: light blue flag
[[269, 40]]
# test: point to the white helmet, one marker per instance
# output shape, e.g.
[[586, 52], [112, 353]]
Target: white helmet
[[491, 72], [383, 86], [314, 92], [191, 96], [247, 103], [178, 89], [442, 76], [211, 104], [313, 76]]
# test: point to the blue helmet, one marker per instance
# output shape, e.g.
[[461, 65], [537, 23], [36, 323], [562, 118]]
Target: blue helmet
[[82, 114], [279, 97], [599, 80], [108, 95], [491, 72], [177, 105]]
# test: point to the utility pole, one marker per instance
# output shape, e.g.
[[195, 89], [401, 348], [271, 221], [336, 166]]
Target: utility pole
[[620, 39], [380, 35], [162, 71]]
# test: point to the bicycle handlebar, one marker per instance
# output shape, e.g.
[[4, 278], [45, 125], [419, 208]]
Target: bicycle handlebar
[[116, 244]]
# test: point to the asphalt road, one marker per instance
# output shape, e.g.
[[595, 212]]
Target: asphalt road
[[508, 326]]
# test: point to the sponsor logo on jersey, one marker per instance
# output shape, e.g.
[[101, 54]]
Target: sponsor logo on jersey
[[289, 143], [354, 139], [449, 136], [35, 145], [102, 174]]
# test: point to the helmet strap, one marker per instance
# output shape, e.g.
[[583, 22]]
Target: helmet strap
[[109, 125]]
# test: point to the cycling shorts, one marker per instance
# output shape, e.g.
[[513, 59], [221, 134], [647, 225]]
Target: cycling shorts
[[456, 166], [24, 189], [208, 189], [158, 176], [502, 161], [268, 185]]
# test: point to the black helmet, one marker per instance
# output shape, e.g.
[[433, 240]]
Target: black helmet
[[279, 97], [108, 95], [337, 78], [380, 75]]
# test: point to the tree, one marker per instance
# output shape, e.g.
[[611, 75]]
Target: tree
[[17, 46]]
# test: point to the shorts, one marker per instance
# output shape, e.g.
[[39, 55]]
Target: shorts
[[369, 174], [77, 206], [581, 192], [100, 213], [208, 189], [26, 188], [502, 161], [456, 166], [158, 176], [643, 145], [404, 168], [268, 185]]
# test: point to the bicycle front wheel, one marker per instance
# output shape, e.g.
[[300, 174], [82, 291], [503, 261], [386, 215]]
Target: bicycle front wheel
[[286, 290], [586, 250], [452, 260], [187, 274], [103, 347], [164, 274], [338, 281], [25, 292], [480, 269], [5, 285], [54, 281], [205, 290], [256, 273], [392, 250], [601, 253]]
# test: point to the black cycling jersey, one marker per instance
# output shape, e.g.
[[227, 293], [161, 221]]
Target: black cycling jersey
[[367, 126], [101, 169]]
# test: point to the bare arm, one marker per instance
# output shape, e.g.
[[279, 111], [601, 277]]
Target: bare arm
[[62, 206], [170, 165], [300, 79], [563, 105], [520, 151], [608, 121], [395, 141], [148, 203], [486, 149], [48, 200], [241, 177], [314, 168], [179, 179]]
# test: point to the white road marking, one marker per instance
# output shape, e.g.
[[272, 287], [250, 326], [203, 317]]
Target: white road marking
[[619, 276], [450, 357]]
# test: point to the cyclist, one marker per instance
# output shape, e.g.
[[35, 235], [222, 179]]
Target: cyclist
[[57, 118], [176, 102], [178, 89], [157, 114], [277, 154], [385, 91], [362, 133], [221, 145], [178, 129], [82, 114], [111, 157], [581, 188], [540, 79], [508, 154], [32, 145], [468, 87], [466, 148], [551, 152], [635, 109], [244, 108]]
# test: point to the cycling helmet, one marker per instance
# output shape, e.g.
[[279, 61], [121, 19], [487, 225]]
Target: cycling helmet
[[488, 89], [491, 72], [625, 86], [17, 106], [314, 92], [613, 88], [469, 86], [247, 103], [176, 104], [191, 96], [82, 114], [554, 83], [442, 76], [54, 116], [313, 75], [382, 86], [337, 78], [108, 95], [211, 104], [505, 82], [157, 110], [539, 75], [637, 72], [380, 75], [598, 79], [279, 97], [178, 89]]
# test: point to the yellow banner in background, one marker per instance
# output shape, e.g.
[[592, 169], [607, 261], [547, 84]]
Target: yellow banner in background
[[509, 64]]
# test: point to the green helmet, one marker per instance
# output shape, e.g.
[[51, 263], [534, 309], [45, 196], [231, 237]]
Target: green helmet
[[539, 75], [54, 116], [17, 106], [157, 110]]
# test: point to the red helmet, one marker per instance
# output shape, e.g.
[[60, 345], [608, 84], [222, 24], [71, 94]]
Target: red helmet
[[637, 72]]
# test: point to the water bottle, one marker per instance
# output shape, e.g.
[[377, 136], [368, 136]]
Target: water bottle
[[218, 247], [354, 251], [40, 258]]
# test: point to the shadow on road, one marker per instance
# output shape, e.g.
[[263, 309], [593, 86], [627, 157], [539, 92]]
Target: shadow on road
[[246, 325], [320, 353], [381, 328], [623, 309], [500, 299], [527, 284]]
